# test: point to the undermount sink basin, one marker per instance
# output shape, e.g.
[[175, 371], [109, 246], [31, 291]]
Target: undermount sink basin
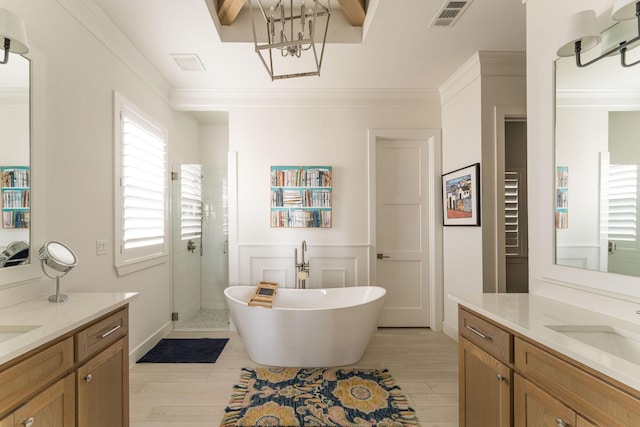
[[616, 341], [11, 331]]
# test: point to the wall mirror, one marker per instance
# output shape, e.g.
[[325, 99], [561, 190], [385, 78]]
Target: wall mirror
[[15, 167], [597, 164]]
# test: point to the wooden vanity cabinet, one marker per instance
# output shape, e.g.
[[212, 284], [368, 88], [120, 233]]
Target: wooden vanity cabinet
[[53, 407], [595, 399], [535, 407], [103, 377], [103, 389], [485, 355], [541, 386], [78, 380]]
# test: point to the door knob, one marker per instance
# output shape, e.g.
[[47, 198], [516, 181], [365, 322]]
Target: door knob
[[382, 256]]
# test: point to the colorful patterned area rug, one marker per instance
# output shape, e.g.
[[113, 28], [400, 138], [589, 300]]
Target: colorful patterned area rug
[[318, 397]]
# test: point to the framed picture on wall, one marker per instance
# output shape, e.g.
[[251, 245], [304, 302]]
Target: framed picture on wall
[[461, 196]]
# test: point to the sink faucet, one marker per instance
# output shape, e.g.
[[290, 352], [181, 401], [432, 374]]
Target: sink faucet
[[302, 268]]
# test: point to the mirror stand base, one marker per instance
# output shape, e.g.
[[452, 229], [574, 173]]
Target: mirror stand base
[[58, 298]]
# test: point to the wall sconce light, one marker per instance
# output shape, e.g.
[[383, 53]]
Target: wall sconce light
[[581, 33], [14, 34], [290, 33], [60, 258]]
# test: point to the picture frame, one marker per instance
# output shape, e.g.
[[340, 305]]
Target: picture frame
[[461, 196]]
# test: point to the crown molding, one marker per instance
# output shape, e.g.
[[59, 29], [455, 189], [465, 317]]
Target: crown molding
[[89, 15], [220, 99], [611, 98], [483, 64]]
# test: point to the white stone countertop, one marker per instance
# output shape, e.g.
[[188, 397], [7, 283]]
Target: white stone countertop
[[53, 319], [529, 316]]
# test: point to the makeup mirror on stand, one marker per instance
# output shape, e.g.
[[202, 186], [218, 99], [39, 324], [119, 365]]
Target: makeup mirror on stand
[[60, 258]]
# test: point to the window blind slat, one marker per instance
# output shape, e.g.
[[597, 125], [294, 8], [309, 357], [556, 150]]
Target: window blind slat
[[144, 182], [190, 201], [623, 194], [511, 213]]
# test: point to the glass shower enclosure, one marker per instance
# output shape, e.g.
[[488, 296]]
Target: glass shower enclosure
[[200, 235]]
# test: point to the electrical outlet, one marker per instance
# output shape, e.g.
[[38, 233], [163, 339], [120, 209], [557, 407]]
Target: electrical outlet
[[101, 247]]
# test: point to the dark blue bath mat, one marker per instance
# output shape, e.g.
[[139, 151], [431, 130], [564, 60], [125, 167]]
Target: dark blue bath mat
[[185, 350]]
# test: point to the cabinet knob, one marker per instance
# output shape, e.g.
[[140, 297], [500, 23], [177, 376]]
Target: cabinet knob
[[29, 422], [501, 378], [88, 378], [562, 423]]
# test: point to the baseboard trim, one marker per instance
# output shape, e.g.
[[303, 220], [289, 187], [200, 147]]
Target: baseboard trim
[[450, 330], [149, 343]]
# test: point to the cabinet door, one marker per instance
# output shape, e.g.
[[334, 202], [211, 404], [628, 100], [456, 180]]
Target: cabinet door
[[8, 421], [103, 395], [534, 407], [54, 407], [485, 388], [581, 422]]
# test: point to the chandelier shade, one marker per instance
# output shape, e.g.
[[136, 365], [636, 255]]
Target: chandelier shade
[[581, 27], [581, 34], [13, 36], [289, 37], [623, 10]]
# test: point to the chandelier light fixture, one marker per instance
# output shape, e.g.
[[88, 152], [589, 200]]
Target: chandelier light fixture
[[291, 38], [581, 33]]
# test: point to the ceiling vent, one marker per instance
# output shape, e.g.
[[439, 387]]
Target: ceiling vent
[[449, 13], [188, 61]]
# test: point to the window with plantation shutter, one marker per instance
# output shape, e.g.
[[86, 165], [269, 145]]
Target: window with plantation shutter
[[141, 189], [513, 243], [190, 201], [623, 202]]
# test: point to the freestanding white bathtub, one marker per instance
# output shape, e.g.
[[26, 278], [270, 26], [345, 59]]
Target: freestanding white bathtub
[[307, 327]]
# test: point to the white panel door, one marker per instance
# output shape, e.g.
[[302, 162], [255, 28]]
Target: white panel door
[[402, 230]]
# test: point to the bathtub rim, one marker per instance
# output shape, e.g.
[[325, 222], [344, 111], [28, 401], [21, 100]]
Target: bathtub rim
[[382, 295]]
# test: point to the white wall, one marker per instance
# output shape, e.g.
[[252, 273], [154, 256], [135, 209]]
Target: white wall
[[76, 182], [214, 140], [611, 294], [582, 133], [461, 146], [14, 143], [486, 81], [312, 132]]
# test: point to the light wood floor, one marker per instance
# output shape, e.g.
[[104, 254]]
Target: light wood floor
[[424, 364]]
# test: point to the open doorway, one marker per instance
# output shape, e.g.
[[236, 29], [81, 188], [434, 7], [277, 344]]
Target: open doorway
[[516, 259]]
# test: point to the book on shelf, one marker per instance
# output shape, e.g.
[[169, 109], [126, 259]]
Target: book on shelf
[[15, 176], [301, 176], [301, 196], [15, 199], [16, 219], [314, 218]]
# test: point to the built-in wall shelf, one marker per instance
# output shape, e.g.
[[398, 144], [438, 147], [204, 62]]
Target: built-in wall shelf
[[16, 196], [301, 196]]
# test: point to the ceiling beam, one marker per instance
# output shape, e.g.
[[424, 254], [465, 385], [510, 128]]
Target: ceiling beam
[[354, 11], [228, 10]]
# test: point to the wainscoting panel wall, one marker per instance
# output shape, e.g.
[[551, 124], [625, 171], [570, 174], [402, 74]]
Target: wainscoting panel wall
[[579, 256], [330, 266]]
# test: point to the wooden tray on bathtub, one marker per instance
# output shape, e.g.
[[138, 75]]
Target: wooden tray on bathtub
[[264, 294]]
